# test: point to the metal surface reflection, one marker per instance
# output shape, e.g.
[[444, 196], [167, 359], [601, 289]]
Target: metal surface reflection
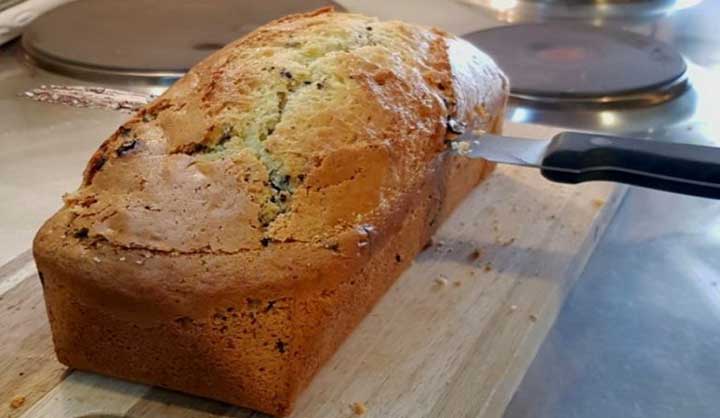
[[513, 11], [636, 120], [638, 335]]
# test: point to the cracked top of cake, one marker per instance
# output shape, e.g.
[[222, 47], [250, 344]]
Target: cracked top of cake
[[312, 125]]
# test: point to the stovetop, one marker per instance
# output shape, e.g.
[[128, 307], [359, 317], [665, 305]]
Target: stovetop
[[636, 337]]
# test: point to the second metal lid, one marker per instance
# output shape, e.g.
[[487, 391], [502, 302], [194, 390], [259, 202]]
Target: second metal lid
[[581, 63]]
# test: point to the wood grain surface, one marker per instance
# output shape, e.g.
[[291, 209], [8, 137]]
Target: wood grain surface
[[452, 338]]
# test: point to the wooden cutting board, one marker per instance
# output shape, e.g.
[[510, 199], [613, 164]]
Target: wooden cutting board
[[452, 338]]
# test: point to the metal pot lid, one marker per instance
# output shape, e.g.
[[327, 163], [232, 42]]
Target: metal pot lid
[[145, 38]]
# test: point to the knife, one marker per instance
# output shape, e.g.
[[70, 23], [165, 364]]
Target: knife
[[575, 157]]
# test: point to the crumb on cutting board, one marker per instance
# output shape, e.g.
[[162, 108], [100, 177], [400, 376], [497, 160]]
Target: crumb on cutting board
[[358, 408], [513, 308], [475, 254], [533, 317], [17, 402], [508, 242], [457, 283], [441, 281], [488, 267], [598, 203]]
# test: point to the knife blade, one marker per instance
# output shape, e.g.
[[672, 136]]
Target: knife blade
[[502, 149], [575, 157]]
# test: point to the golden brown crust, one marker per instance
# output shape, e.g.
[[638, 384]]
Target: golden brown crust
[[287, 171]]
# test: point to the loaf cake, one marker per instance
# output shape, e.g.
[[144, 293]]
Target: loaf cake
[[228, 237]]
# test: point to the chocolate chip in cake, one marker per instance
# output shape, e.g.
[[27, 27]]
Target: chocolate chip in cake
[[270, 305], [126, 147], [81, 233]]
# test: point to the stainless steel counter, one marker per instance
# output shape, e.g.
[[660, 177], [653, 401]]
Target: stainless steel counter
[[639, 334]]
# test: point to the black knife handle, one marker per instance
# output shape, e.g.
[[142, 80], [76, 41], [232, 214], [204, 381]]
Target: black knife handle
[[682, 168]]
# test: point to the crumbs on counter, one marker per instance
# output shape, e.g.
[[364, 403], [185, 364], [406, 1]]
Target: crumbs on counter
[[358, 408], [441, 281], [457, 283], [488, 267], [89, 97], [444, 248], [508, 242], [533, 317], [475, 254], [17, 402]]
